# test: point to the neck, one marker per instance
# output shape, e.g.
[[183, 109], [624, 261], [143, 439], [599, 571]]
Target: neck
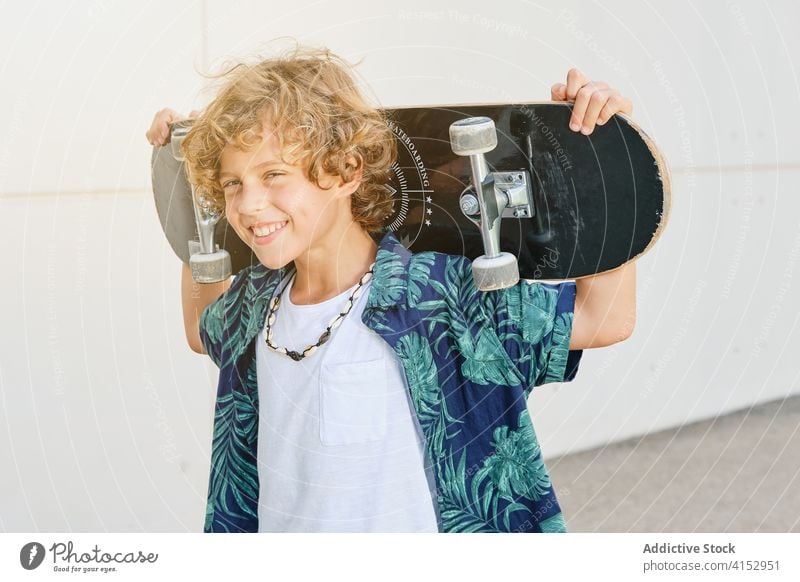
[[329, 269]]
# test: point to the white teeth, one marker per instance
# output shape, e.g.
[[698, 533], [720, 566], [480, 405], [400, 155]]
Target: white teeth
[[264, 231]]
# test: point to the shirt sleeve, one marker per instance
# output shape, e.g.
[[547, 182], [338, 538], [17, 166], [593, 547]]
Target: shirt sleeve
[[557, 301], [533, 322], [211, 321], [214, 317]]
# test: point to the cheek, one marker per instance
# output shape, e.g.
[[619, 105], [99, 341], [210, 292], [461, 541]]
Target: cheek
[[230, 213], [233, 218], [298, 206]]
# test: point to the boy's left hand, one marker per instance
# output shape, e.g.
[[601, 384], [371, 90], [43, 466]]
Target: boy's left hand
[[595, 101]]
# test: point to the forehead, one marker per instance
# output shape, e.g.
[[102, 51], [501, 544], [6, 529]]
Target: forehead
[[234, 159]]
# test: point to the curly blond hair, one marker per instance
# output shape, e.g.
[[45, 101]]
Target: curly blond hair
[[320, 119]]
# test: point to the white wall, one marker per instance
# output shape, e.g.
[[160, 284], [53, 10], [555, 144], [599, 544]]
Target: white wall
[[108, 413]]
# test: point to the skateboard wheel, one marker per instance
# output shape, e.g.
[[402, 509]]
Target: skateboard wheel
[[210, 267], [472, 136], [491, 273], [178, 131]]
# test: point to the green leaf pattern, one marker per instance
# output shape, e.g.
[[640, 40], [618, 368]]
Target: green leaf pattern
[[517, 468], [426, 395], [227, 325], [237, 478], [485, 500], [388, 287], [428, 305]]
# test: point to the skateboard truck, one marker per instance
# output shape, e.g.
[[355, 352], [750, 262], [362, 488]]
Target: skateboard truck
[[208, 263], [493, 195]]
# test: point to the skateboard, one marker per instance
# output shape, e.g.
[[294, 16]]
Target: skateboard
[[509, 186]]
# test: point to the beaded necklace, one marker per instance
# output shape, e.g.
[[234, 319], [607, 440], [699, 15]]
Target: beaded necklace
[[334, 323]]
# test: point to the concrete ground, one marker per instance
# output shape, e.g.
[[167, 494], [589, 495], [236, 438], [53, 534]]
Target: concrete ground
[[734, 473]]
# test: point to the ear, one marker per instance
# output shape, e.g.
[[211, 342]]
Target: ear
[[347, 188]]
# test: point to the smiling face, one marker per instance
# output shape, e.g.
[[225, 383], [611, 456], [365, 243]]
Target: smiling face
[[274, 207]]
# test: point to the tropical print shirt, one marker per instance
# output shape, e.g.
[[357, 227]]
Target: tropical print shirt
[[470, 359]]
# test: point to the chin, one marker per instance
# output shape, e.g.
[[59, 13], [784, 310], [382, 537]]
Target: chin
[[273, 263]]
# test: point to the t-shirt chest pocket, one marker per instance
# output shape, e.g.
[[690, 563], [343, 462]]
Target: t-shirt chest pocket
[[353, 402]]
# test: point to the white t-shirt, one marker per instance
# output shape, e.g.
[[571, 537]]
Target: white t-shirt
[[339, 448]]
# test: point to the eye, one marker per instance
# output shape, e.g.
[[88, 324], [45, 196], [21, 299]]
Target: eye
[[230, 188], [269, 175]]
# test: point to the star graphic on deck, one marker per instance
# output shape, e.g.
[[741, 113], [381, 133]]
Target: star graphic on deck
[[427, 223], [430, 211], [429, 199]]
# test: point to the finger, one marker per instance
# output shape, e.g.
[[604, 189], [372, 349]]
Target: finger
[[575, 80], [558, 92], [194, 113], [626, 105], [163, 135], [582, 103], [597, 102], [167, 116], [616, 104], [165, 131], [154, 134]]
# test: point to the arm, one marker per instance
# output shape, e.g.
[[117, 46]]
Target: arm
[[605, 308], [158, 133], [195, 297], [605, 305]]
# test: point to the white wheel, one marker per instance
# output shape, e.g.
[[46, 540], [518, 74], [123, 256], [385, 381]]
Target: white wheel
[[210, 267], [472, 136], [498, 272]]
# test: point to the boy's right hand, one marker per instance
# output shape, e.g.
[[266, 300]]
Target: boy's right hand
[[159, 134]]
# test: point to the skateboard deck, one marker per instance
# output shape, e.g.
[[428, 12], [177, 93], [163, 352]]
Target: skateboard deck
[[599, 201], [596, 202], [175, 208]]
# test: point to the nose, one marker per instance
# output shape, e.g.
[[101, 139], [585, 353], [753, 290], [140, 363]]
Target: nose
[[253, 198]]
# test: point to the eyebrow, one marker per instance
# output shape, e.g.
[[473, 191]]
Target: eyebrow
[[261, 165]]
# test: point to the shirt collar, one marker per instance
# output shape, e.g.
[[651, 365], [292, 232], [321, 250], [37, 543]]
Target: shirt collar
[[388, 289]]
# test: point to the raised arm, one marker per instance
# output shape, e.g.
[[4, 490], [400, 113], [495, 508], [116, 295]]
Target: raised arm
[[605, 308], [605, 305], [195, 297]]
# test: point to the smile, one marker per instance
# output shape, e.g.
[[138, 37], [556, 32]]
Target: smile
[[266, 234], [265, 230]]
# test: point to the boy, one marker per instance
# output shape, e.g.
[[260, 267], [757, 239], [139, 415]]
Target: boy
[[410, 413]]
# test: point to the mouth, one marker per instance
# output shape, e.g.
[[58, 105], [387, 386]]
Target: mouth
[[265, 234]]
